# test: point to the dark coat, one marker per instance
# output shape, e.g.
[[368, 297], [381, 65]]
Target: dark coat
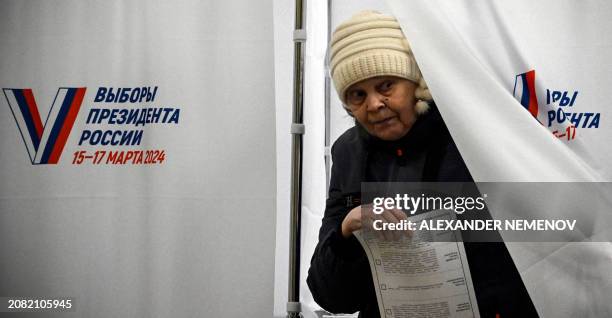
[[339, 276]]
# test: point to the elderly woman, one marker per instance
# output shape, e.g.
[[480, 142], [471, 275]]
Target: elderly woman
[[398, 136]]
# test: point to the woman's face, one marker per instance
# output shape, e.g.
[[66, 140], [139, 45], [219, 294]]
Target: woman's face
[[383, 105]]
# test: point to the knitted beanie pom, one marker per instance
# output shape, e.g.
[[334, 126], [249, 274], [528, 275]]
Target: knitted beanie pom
[[423, 95]]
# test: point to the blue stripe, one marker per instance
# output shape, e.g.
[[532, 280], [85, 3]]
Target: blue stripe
[[525, 97], [27, 116], [57, 125]]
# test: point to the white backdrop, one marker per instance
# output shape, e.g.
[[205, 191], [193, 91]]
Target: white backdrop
[[191, 236]]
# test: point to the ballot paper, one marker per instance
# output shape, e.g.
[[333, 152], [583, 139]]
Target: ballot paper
[[426, 275]]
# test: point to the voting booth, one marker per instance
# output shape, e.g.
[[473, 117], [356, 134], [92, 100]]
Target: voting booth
[[521, 89]]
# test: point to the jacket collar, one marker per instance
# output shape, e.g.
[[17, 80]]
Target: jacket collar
[[425, 130]]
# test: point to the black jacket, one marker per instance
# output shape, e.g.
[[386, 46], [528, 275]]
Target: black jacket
[[339, 276]]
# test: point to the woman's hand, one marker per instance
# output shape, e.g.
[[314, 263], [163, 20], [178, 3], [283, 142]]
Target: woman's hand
[[363, 217], [351, 222]]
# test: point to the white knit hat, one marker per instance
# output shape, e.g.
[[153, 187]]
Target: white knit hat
[[372, 44]]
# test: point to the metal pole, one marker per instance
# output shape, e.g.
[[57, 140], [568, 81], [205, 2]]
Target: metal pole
[[297, 130], [328, 106]]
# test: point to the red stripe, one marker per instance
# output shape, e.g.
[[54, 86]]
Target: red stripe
[[29, 97], [67, 127], [533, 100]]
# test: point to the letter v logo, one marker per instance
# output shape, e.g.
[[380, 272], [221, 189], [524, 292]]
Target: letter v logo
[[45, 143], [525, 92]]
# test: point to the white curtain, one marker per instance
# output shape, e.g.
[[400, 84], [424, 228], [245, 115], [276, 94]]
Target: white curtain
[[191, 236], [470, 53]]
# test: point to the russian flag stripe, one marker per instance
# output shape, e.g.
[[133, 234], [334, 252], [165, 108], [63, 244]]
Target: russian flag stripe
[[57, 125], [525, 93], [45, 143], [51, 117], [29, 97], [27, 116], [21, 123], [533, 100], [521, 93], [67, 125]]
